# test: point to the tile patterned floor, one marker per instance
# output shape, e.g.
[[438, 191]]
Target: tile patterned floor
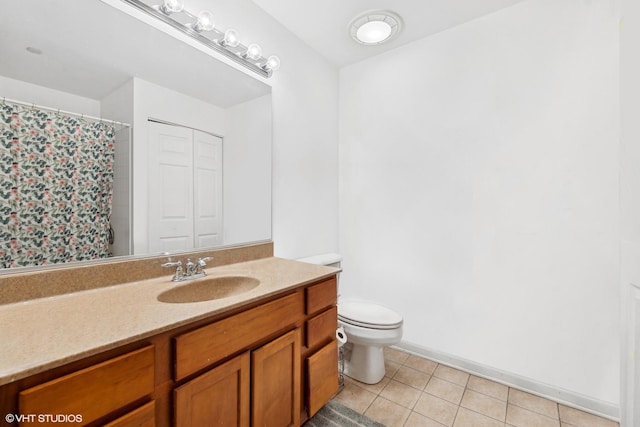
[[418, 392]]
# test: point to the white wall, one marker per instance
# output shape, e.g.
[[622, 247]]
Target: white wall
[[51, 98], [247, 172], [630, 210], [305, 131], [479, 192]]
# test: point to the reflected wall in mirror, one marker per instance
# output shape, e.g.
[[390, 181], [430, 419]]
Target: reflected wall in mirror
[[119, 68]]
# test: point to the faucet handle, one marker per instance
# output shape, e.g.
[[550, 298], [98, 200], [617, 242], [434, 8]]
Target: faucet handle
[[172, 264], [177, 265], [202, 263]]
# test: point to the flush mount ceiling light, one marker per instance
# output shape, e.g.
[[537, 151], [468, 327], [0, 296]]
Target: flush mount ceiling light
[[375, 27], [201, 27]]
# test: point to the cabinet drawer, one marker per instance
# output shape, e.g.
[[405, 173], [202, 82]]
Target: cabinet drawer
[[144, 416], [95, 391], [205, 346], [322, 376], [322, 295], [322, 327]]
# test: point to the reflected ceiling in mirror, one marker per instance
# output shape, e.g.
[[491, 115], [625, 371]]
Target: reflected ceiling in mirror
[[89, 48]]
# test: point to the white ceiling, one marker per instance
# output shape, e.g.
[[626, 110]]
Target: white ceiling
[[324, 24], [92, 57]]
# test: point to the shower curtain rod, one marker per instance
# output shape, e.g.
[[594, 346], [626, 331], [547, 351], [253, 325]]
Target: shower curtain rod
[[59, 111]]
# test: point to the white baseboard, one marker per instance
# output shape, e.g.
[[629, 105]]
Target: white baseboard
[[565, 397]]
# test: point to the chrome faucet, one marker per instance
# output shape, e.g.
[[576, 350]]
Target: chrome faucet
[[191, 267], [193, 270]]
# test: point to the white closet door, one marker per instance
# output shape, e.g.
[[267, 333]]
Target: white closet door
[[208, 189], [171, 223]]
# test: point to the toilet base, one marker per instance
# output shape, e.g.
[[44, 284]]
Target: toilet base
[[365, 363]]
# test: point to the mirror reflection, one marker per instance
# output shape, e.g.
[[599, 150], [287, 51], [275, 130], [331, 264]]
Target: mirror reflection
[[192, 169]]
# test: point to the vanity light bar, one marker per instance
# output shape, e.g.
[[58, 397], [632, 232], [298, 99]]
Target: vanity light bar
[[235, 51]]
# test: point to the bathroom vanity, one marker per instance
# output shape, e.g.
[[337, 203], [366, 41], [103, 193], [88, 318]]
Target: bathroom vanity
[[263, 357]]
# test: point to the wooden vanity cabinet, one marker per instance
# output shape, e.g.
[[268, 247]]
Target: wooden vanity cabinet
[[266, 373], [269, 364], [268, 378], [209, 344]]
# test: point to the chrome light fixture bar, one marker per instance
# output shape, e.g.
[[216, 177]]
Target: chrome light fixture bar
[[226, 43]]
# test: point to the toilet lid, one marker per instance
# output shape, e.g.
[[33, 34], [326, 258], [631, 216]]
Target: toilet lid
[[368, 314]]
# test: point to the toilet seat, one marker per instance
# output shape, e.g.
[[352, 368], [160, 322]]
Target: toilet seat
[[368, 315]]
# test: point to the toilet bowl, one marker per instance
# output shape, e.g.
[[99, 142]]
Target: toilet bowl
[[369, 328]]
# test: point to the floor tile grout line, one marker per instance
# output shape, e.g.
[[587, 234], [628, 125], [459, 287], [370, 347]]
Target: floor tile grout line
[[507, 402], [487, 416], [506, 405], [533, 410], [460, 404]]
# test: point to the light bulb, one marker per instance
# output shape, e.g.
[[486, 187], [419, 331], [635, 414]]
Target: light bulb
[[373, 32], [205, 22], [172, 6], [231, 38], [253, 52], [273, 63]]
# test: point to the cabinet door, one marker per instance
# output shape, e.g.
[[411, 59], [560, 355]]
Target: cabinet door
[[219, 397], [144, 416], [322, 376], [275, 373]]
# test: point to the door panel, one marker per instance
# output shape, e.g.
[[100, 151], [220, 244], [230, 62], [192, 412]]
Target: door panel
[[219, 397], [275, 373], [208, 189], [170, 225]]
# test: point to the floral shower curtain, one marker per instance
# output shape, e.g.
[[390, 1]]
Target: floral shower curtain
[[56, 183]]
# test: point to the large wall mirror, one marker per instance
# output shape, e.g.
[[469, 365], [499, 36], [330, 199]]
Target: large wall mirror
[[191, 142]]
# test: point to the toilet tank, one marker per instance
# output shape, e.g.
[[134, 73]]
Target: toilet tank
[[329, 259]]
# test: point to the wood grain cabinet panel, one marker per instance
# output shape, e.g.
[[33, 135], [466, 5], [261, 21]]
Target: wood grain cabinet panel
[[144, 416], [219, 397], [252, 370], [95, 391], [322, 327], [322, 376], [275, 379], [205, 346], [322, 295]]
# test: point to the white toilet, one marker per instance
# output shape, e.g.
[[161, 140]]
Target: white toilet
[[369, 328]]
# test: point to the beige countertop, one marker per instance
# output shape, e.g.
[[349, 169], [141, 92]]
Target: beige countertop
[[44, 333]]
